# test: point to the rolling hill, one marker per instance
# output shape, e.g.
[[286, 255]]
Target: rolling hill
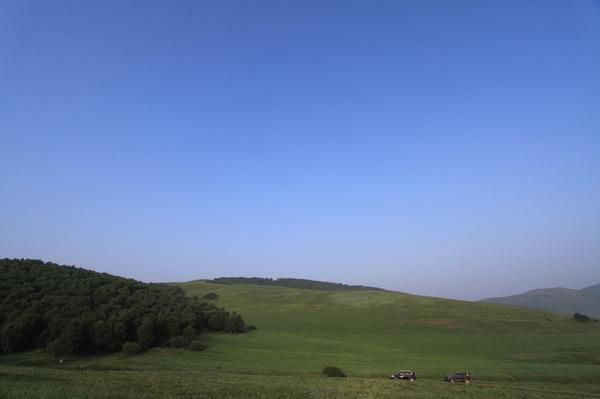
[[560, 300], [370, 332], [512, 352]]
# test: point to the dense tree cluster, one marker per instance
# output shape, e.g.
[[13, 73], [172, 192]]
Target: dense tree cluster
[[71, 310], [292, 283]]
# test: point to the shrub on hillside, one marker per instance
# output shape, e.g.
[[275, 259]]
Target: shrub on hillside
[[332, 371], [189, 333], [179, 342], [132, 348], [211, 295], [197, 346], [60, 347], [234, 323], [581, 318]]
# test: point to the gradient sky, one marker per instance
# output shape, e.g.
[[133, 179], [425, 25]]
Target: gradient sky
[[447, 148]]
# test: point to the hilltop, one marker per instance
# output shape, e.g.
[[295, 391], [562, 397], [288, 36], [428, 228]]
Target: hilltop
[[558, 299], [292, 283]]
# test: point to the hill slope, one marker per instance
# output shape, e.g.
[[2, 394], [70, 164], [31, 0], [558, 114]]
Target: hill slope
[[512, 352], [560, 300], [371, 332]]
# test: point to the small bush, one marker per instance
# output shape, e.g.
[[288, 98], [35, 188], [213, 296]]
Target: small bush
[[331, 371], [132, 348], [179, 342], [60, 347], [211, 295], [189, 333], [197, 346], [581, 318]]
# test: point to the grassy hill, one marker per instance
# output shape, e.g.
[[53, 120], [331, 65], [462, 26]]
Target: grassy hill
[[373, 332], [291, 283], [560, 300], [512, 352]]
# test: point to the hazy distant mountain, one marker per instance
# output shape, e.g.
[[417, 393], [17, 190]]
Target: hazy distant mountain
[[561, 300], [592, 290]]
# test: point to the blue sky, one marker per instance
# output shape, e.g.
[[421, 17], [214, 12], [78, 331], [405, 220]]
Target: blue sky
[[434, 147]]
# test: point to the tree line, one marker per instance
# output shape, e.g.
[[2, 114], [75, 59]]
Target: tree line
[[292, 283], [69, 310]]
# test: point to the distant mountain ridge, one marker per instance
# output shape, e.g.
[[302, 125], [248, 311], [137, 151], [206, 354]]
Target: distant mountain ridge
[[291, 283], [558, 299], [592, 290]]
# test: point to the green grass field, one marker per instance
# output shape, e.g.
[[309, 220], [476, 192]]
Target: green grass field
[[512, 353]]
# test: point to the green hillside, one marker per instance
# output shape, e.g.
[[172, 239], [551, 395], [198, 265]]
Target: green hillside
[[373, 332], [512, 352]]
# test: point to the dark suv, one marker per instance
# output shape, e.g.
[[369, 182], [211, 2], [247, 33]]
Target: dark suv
[[459, 376], [404, 375]]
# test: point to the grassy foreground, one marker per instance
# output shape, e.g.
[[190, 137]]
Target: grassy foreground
[[512, 353]]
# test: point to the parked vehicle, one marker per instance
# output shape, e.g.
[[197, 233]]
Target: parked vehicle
[[404, 375], [458, 376]]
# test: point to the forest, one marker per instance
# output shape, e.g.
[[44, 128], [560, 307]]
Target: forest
[[70, 310]]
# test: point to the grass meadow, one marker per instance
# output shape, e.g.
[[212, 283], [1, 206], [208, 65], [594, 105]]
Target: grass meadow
[[511, 352]]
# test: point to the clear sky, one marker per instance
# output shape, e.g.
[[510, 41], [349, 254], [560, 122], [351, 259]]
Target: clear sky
[[447, 148]]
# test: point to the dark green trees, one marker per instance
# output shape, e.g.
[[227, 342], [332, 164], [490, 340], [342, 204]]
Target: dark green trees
[[132, 348], [581, 318], [211, 296], [145, 333], [292, 283], [10, 337], [234, 323], [71, 310]]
